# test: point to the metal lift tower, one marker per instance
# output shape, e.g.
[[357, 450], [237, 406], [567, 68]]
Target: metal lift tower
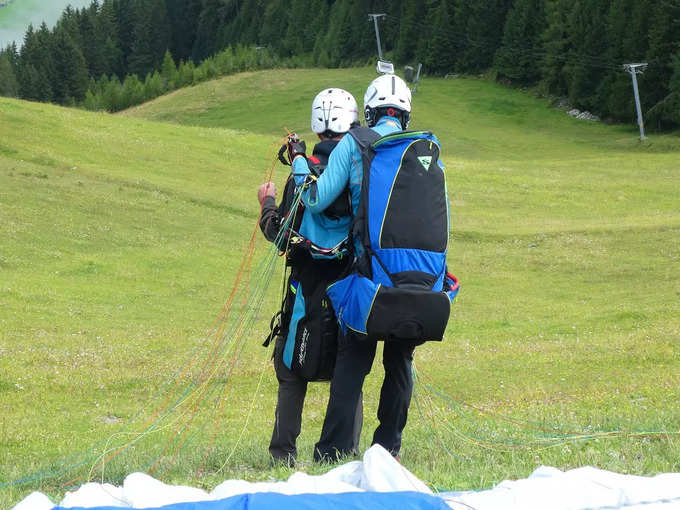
[[634, 70]]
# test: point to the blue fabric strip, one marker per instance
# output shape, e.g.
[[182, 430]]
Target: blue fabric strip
[[397, 260], [298, 313], [344, 501]]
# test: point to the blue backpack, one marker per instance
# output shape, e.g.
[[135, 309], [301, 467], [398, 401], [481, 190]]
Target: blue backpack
[[399, 288]]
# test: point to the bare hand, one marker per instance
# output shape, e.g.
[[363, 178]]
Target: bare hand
[[268, 189]]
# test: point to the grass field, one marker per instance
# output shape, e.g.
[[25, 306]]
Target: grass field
[[16, 16], [122, 236]]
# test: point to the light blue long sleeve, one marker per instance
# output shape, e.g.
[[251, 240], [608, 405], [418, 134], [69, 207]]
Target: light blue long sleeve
[[344, 167]]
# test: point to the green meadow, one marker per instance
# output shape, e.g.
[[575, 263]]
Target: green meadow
[[121, 237]]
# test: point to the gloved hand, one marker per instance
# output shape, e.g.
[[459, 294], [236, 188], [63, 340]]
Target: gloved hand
[[293, 147], [268, 189], [296, 147]]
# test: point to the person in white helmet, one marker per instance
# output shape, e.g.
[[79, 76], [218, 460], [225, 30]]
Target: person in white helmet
[[334, 112], [387, 109]]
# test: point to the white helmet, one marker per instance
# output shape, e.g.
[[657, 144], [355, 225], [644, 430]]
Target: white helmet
[[334, 110], [387, 91]]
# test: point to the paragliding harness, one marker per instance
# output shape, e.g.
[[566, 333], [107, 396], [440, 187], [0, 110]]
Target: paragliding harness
[[399, 287], [306, 319], [295, 237]]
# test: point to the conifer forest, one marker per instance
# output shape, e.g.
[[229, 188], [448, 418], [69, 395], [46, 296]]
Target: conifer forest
[[117, 53]]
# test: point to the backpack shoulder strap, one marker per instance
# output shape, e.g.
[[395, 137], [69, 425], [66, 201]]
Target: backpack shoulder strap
[[364, 136]]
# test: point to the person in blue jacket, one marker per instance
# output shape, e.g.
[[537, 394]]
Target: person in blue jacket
[[387, 107]]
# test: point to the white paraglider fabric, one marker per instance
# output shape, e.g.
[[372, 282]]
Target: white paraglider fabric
[[584, 488]]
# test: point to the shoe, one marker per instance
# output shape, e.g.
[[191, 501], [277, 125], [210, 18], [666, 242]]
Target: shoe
[[286, 461], [329, 458]]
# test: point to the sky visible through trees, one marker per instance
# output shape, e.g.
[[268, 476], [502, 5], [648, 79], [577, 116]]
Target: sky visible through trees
[[15, 17]]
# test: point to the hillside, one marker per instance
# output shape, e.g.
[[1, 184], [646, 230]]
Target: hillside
[[490, 135], [122, 236]]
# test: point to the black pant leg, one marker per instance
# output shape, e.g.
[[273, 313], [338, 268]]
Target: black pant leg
[[291, 397], [338, 435], [395, 395]]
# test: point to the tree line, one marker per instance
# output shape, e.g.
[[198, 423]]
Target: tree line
[[117, 51]]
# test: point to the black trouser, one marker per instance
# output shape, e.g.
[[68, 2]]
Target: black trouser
[[291, 397], [353, 363]]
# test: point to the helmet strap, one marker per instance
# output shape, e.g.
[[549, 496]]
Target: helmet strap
[[370, 115]]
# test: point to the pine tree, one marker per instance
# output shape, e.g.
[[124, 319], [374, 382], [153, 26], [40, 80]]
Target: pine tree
[[111, 97], [293, 26], [209, 22], [107, 27], [70, 22], [362, 31], [248, 25], [101, 84], [410, 30], [9, 86], [673, 99], [29, 82], [665, 114], [440, 59], [93, 100], [185, 74], [71, 69], [132, 93], [557, 45], [300, 32], [664, 41], [230, 25], [125, 21], [520, 49], [150, 36], [141, 57], [479, 28], [36, 71], [587, 63], [274, 17], [168, 72], [13, 55], [183, 17], [339, 41], [94, 40], [153, 86], [614, 88]]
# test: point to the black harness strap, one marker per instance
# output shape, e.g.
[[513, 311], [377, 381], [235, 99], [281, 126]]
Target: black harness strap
[[365, 138]]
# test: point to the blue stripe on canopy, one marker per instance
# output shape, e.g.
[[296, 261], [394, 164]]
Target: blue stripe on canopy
[[343, 501]]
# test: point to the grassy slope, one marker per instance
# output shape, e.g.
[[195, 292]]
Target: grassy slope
[[565, 237]]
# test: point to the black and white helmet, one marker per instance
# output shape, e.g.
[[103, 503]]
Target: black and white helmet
[[387, 91], [334, 110]]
